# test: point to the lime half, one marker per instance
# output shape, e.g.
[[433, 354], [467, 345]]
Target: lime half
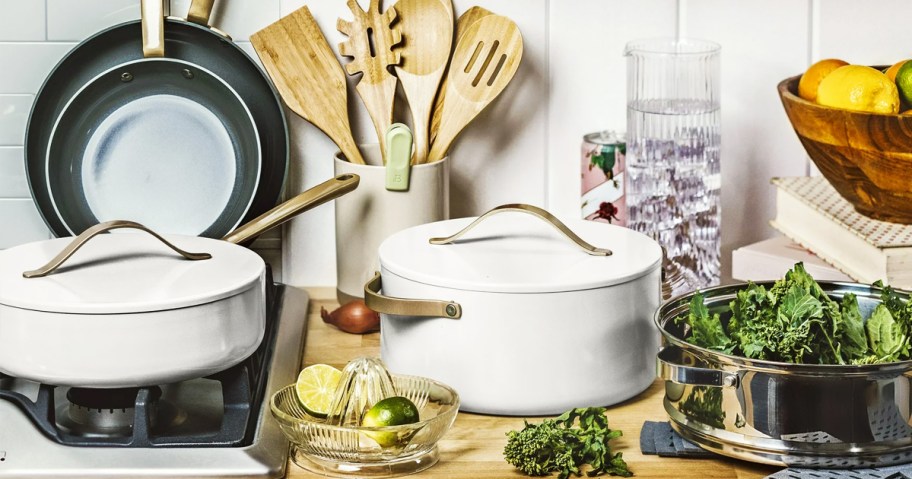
[[315, 388], [392, 411]]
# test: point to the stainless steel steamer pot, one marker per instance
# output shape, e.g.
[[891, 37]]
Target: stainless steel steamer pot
[[519, 317], [801, 415]]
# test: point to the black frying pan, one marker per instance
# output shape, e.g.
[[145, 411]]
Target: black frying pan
[[66, 143]]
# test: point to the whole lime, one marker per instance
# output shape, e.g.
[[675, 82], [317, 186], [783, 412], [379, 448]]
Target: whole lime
[[392, 411], [904, 82]]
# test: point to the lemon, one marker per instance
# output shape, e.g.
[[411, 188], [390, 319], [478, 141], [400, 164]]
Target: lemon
[[861, 88], [392, 411], [315, 388], [891, 72], [807, 85]]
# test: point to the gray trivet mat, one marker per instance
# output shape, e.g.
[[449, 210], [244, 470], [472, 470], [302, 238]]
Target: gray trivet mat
[[647, 446], [659, 438], [663, 436], [884, 473]]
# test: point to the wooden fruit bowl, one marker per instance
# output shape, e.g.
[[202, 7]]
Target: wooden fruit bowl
[[867, 157]]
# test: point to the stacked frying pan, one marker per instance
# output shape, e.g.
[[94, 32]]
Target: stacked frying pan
[[163, 121]]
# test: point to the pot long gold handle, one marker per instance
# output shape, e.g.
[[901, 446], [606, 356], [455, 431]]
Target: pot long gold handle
[[536, 212], [200, 12], [328, 190], [153, 28], [96, 230], [407, 307], [670, 368]]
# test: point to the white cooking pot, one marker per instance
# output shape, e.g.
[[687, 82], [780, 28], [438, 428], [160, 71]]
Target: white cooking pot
[[137, 308], [519, 317]]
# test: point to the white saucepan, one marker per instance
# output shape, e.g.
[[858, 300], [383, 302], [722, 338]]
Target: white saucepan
[[519, 317], [138, 309]]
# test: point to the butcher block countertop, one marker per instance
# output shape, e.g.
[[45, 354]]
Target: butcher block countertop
[[472, 448]]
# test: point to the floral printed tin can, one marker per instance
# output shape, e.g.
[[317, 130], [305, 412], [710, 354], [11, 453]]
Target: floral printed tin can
[[602, 177]]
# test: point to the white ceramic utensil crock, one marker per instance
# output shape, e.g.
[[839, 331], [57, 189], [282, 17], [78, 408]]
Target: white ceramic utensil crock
[[520, 317]]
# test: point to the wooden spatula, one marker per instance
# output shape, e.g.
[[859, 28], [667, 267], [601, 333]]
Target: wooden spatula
[[484, 62], [468, 17], [427, 32], [308, 76], [370, 44]]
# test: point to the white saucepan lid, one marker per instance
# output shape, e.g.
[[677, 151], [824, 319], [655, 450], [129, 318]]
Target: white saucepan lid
[[126, 273], [519, 253]]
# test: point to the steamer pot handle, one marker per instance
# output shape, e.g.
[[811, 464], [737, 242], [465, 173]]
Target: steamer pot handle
[[407, 307], [669, 368], [536, 212], [96, 230]]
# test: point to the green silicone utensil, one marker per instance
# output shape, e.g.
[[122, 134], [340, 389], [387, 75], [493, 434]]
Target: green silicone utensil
[[398, 157]]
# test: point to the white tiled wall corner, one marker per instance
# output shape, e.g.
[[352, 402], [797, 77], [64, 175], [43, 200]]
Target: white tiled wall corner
[[22, 20], [867, 33], [757, 139], [75, 21], [12, 173], [22, 223], [240, 19], [26, 65], [14, 111], [588, 77]]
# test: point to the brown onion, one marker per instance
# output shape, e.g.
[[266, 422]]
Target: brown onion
[[353, 317]]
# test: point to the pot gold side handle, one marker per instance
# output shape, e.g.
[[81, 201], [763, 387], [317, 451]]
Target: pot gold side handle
[[96, 230], [407, 307], [153, 28], [201, 12], [316, 196], [536, 212], [670, 368]]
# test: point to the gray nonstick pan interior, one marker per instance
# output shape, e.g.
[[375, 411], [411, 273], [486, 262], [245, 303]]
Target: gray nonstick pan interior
[[159, 141]]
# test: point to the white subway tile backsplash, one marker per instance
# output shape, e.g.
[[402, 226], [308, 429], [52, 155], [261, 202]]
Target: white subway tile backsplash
[[26, 65], [867, 33], [588, 78], [22, 20], [22, 222], [240, 19], [13, 183], [757, 138], [14, 111], [69, 20]]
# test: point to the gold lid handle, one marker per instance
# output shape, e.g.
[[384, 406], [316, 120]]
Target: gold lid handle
[[96, 230], [420, 308], [536, 212]]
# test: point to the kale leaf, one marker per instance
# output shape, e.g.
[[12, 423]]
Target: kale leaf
[[796, 321], [556, 445]]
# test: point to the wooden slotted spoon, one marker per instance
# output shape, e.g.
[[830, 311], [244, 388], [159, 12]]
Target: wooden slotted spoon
[[308, 76], [468, 17], [370, 45], [427, 30], [485, 60]]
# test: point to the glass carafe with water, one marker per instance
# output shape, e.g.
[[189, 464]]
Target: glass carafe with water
[[673, 139]]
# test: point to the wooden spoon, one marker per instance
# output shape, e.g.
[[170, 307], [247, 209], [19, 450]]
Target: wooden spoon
[[484, 62], [462, 24], [308, 76], [370, 45], [427, 29]]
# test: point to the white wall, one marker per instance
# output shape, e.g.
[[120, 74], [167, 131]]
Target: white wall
[[525, 147]]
